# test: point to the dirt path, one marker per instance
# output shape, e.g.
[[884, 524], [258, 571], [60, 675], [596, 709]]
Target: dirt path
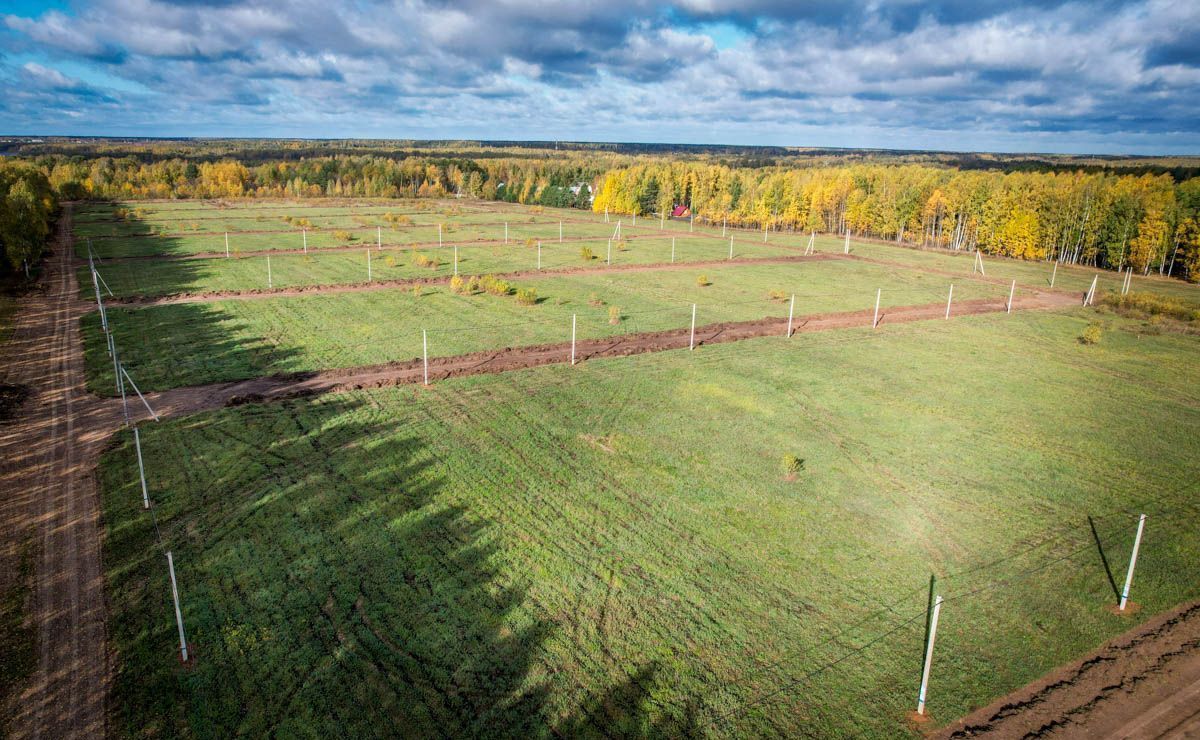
[[47, 461], [1143, 684], [330, 288], [197, 398]]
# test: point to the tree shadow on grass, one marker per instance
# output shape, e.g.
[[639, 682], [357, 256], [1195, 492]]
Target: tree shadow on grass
[[329, 588]]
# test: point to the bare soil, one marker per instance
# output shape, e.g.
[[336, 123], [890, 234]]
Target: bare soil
[[1143, 684]]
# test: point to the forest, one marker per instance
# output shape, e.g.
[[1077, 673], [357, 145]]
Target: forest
[[1082, 214]]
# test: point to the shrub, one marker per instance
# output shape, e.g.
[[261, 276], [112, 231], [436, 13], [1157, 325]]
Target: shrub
[[474, 285], [1091, 335], [342, 235], [586, 254], [458, 285], [621, 245], [703, 281], [527, 296], [494, 285], [530, 242], [418, 290], [595, 300], [390, 261], [1151, 304], [792, 465], [614, 315], [777, 295]]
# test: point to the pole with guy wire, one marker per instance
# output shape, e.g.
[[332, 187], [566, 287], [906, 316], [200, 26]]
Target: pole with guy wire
[[692, 341], [135, 390], [137, 443], [933, 623], [791, 311], [1091, 292], [183, 651], [121, 384], [1137, 543]]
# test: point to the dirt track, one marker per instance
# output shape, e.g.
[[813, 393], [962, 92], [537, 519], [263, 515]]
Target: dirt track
[[47, 462], [1139, 685], [1143, 684]]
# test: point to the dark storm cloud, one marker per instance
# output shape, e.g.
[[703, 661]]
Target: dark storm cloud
[[747, 71]]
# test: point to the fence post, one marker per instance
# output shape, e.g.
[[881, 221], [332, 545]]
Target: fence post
[[368, 265], [608, 259], [948, 299], [560, 231], [425, 353], [137, 443], [572, 339], [875, 321], [121, 383], [1054, 274], [539, 254], [692, 341], [455, 259], [791, 311], [304, 236], [378, 238], [269, 284], [178, 614], [731, 246], [933, 623], [226, 245], [1137, 543], [1012, 290], [847, 248], [672, 250]]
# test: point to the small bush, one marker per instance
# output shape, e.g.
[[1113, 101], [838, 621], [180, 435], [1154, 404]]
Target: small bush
[[1151, 304], [586, 254], [474, 285], [390, 261], [1091, 335], [342, 235], [527, 296], [792, 465], [418, 290], [494, 285], [622, 245], [458, 285], [777, 295], [531, 242], [703, 281], [614, 315], [595, 300]]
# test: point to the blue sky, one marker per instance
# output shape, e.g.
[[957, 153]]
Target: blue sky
[[990, 75]]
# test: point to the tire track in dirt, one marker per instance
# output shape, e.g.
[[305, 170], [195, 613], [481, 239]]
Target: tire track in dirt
[[1143, 684], [49, 454]]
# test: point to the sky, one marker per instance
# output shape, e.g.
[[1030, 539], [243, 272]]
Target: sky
[[1107, 77]]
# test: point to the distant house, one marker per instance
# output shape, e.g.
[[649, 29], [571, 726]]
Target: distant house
[[681, 212]]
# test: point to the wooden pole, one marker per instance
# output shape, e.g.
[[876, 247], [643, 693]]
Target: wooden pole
[[948, 299], [137, 443], [1012, 290], [368, 265], [572, 339], [183, 651], [692, 341], [425, 353], [791, 311], [1054, 274], [875, 321], [269, 285], [226, 245]]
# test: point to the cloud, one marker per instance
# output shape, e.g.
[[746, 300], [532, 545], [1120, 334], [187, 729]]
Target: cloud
[[970, 75]]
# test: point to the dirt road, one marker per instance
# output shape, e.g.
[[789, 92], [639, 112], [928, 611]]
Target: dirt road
[[1143, 684], [50, 507]]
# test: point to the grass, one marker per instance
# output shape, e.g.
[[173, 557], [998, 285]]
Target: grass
[[188, 344], [613, 548], [160, 277]]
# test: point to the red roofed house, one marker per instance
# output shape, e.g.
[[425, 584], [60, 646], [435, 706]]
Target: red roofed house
[[681, 212]]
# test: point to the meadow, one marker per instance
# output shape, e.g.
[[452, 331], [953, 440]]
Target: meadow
[[733, 541], [615, 549]]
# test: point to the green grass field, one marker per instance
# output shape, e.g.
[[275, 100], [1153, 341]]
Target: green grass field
[[189, 344], [613, 549]]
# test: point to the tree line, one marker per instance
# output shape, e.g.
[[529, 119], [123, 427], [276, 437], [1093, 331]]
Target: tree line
[[1147, 222], [28, 204]]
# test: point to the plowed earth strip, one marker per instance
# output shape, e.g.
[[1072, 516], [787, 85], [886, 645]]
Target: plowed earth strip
[[197, 398], [1143, 684], [331, 288]]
